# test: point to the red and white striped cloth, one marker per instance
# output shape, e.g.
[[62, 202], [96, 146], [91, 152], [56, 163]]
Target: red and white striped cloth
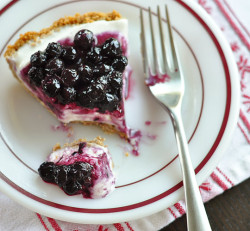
[[234, 20]]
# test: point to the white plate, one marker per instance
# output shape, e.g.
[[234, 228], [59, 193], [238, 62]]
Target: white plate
[[146, 183]]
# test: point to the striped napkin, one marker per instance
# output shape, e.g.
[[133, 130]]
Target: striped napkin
[[234, 20]]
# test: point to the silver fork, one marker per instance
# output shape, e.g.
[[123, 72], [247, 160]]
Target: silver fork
[[170, 94]]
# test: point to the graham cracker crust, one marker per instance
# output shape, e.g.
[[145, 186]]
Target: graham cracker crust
[[32, 36], [98, 140]]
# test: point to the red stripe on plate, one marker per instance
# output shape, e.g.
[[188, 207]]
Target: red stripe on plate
[[7, 6]]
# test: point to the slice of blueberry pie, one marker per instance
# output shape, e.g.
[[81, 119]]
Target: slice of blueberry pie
[[77, 68], [82, 167]]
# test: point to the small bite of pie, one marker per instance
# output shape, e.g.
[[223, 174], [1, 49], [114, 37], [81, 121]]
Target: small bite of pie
[[77, 68], [82, 167]]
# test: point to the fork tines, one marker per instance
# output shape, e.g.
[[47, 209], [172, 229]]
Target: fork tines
[[161, 63]]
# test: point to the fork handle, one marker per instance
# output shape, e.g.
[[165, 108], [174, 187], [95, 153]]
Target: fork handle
[[197, 219]]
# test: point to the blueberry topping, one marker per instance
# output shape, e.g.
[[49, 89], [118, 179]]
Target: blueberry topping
[[47, 172], [120, 63], [69, 54], [96, 71], [84, 39], [83, 98], [104, 68], [51, 86], [81, 146], [83, 167], [83, 171], [70, 76], [103, 80], [54, 66], [80, 72], [94, 55], [111, 47], [36, 75], [38, 59], [53, 50], [61, 174], [85, 73], [87, 182], [79, 60], [71, 187], [116, 79], [96, 92], [67, 95], [111, 102], [72, 179]]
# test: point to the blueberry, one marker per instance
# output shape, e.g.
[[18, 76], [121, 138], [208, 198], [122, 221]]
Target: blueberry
[[94, 55], [36, 75], [70, 76], [54, 66], [84, 39], [81, 147], [103, 80], [67, 95], [51, 86], [104, 68], [79, 60], [83, 98], [111, 47], [47, 172], [85, 73], [72, 172], [116, 79], [61, 175], [69, 54], [53, 50], [71, 187], [87, 182], [96, 71], [111, 103], [83, 167], [80, 171], [96, 92], [120, 63], [38, 59]]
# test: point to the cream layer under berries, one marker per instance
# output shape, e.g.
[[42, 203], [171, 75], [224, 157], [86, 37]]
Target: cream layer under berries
[[82, 167], [77, 68]]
